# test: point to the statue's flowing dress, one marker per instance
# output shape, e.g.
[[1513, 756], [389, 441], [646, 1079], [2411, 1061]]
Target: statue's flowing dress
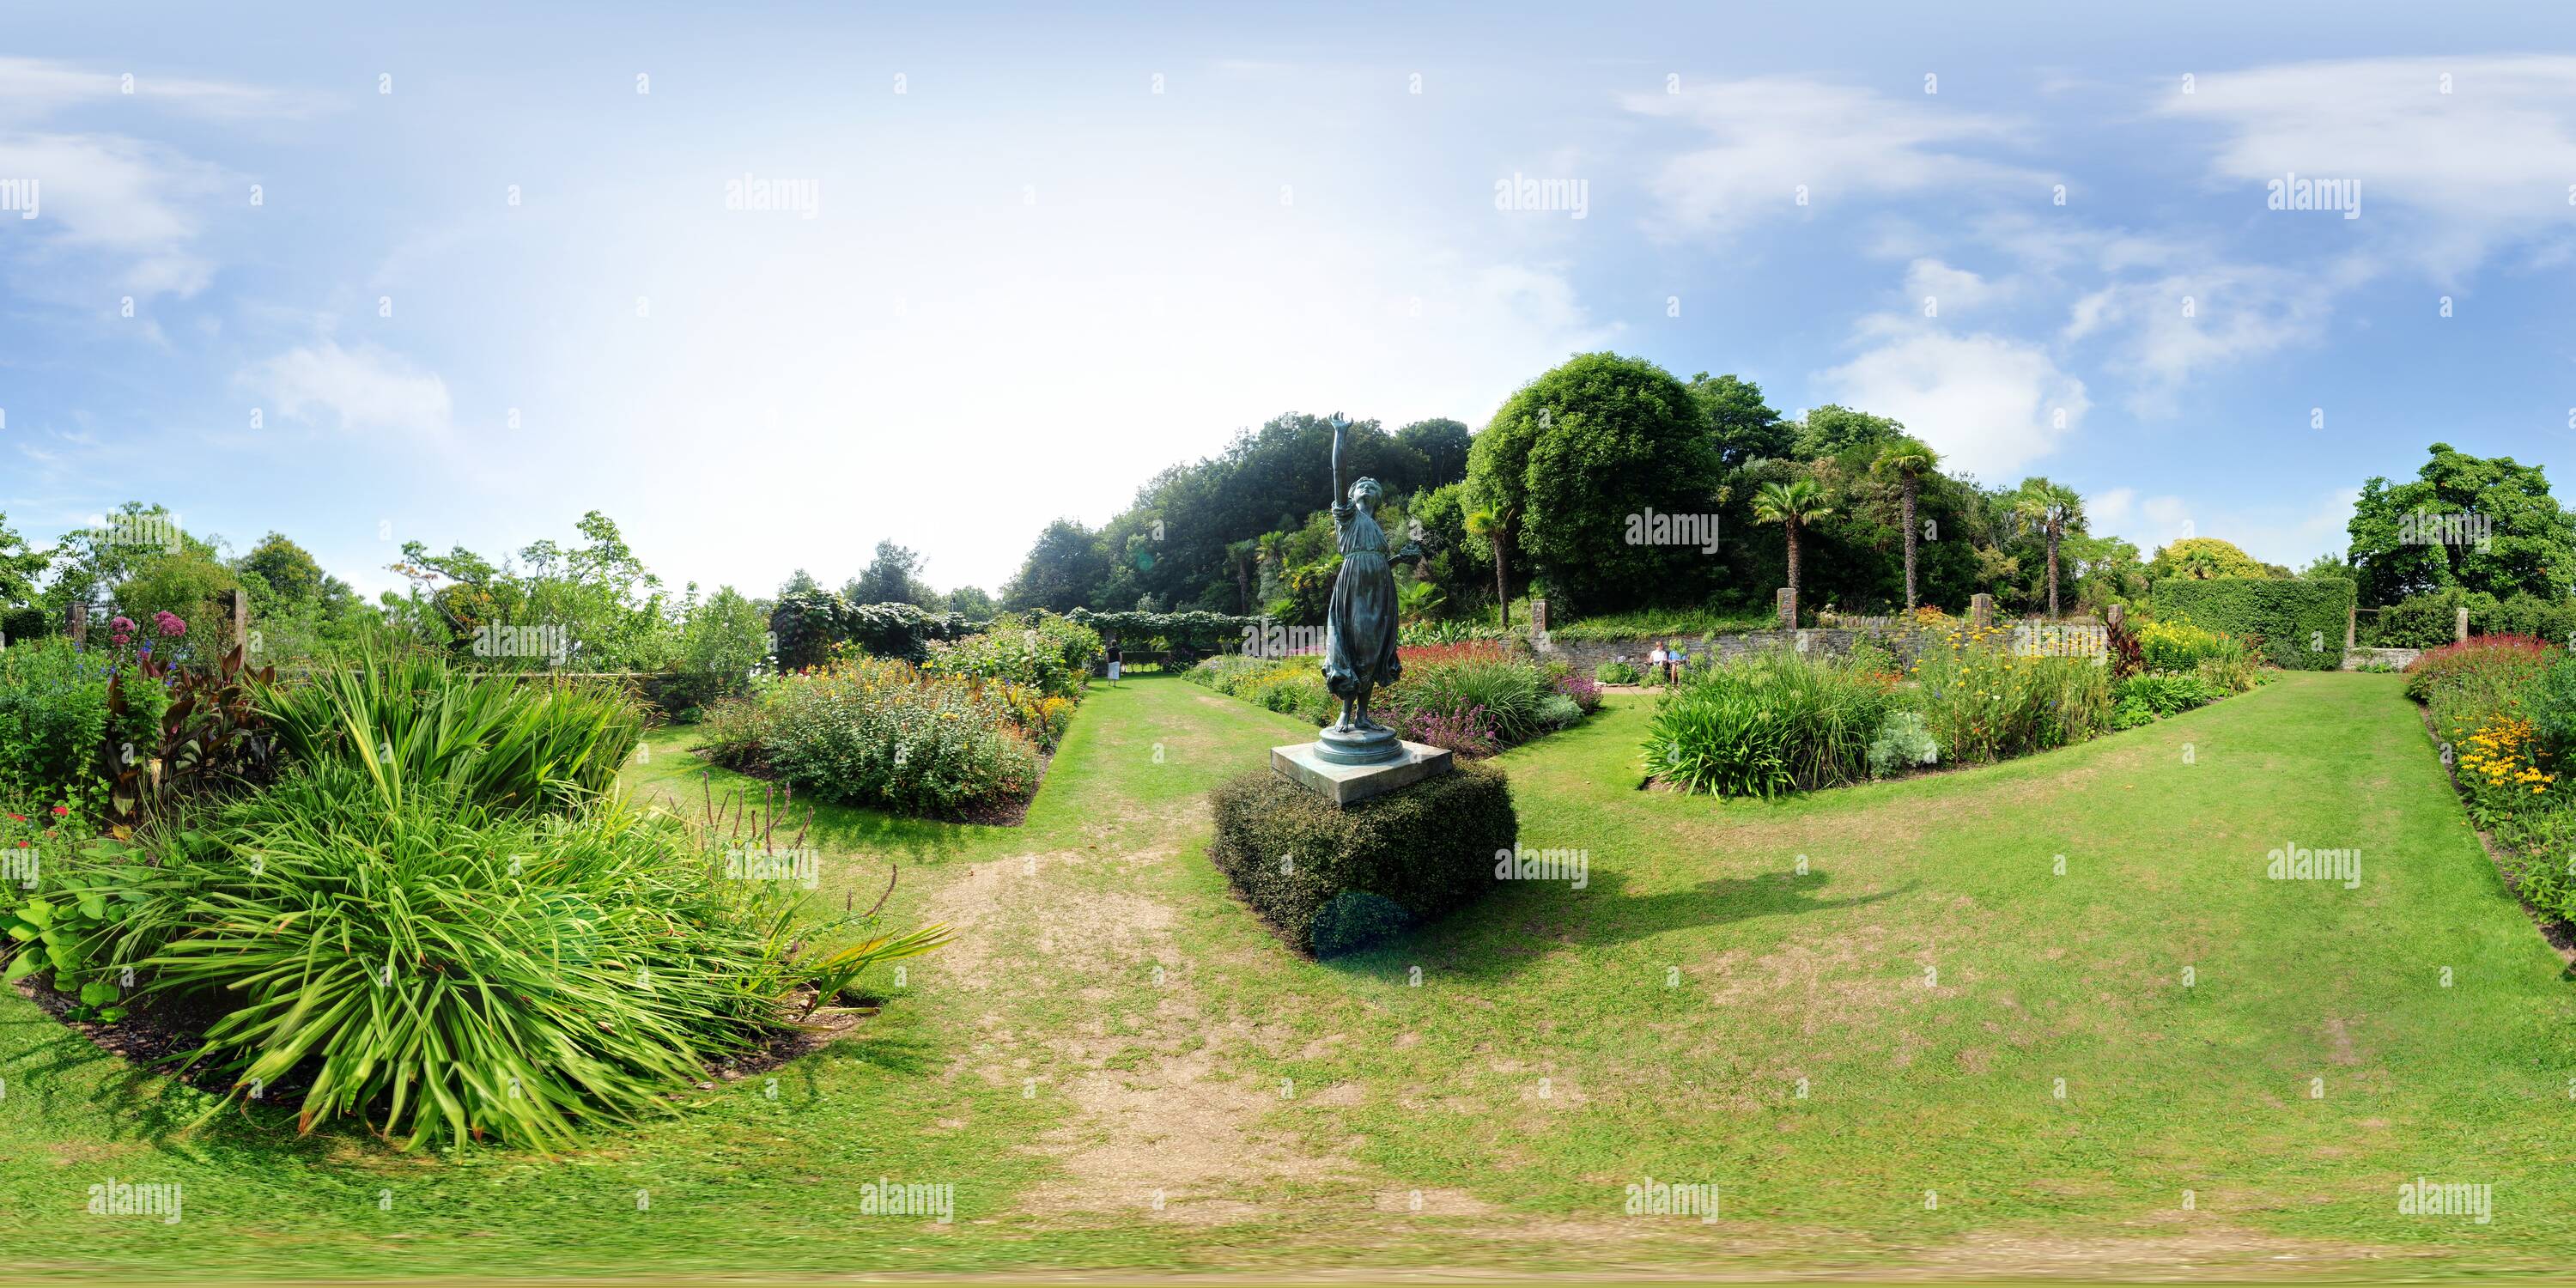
[[1359, 634]]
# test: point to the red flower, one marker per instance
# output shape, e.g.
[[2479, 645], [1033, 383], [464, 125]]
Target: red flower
[[61, 810], [17, 818]]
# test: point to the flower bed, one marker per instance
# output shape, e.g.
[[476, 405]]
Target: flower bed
[[1781, 721], [2503, 708], [1474, 698]]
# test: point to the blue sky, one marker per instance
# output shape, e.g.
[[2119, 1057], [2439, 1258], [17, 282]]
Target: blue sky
[[1073, 250]]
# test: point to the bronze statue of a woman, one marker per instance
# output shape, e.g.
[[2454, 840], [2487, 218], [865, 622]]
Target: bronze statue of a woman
[[1359, 632]]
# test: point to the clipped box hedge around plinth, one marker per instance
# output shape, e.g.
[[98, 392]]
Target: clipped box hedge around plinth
[[1352, 877]]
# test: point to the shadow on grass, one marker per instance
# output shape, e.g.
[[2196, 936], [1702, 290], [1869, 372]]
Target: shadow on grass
[[1526, 921]]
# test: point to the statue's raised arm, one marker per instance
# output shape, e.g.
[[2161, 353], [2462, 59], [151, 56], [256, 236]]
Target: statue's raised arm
[[1340, 426]]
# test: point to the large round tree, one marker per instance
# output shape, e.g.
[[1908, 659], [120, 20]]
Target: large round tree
[[1580, 451]]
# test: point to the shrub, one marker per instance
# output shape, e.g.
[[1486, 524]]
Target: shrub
[[1983, 704], [1771, 723], [2226, 676], [2550, 700], [878, 732], [1465, 732], [1615, 672], [410, 719], [2484, 660], [22, 625], [1903, 741], [809, 623], [451, 970], [1045, 651], [1557, 711], [1227, 672], [734, 733], [1582, 690], [2164, 695], [1333, 880], [2431, 620], [2298, 624], [2125, 656], [53, 715], [2171, 644], [1453, 679]]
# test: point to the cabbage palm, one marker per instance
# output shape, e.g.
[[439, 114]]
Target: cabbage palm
[[2051, 508], [1793, 506], [1907, 460], [1494, 524]]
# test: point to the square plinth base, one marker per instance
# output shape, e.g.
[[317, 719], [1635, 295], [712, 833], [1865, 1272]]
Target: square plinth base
[[1346, 785]]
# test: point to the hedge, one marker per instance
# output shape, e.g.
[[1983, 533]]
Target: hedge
[[21, 624], [806, 625], [2300, 622], [1191, 635], [1331, 881], [2429, 621]]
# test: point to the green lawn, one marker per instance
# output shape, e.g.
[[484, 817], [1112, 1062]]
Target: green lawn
[[1116, 1068]]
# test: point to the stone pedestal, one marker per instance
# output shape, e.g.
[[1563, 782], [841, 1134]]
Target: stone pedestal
[[1304, 764]]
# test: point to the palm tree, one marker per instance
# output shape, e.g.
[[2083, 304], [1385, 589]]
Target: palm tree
[[1494, 524], [1241, 554], [1416, 600], [1792, 506], [1907, 460], [2050, 508]]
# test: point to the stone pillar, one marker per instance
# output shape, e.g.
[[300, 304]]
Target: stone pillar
[[1538, 617], [2114, 615], [2460, 625], [241, 622], [1981, 610], [1788, 601], [2351, 623], [80, 626]]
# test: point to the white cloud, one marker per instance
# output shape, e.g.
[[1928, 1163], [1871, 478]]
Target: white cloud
[[37, 87], [2168, 328], [1954, 290], [1771, 135], [1988, 404], [2458, 174], [361, 389], [129, 201]]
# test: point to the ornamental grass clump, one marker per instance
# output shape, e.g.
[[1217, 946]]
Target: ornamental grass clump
[[413, 721], [1768, 724], [451, 971]]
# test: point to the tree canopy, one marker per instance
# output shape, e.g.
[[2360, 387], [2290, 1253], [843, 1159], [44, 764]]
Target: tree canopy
[[2478, 524]]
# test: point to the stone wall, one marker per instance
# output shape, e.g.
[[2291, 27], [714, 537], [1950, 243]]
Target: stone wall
[[2401, 658], [1584, 655]]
